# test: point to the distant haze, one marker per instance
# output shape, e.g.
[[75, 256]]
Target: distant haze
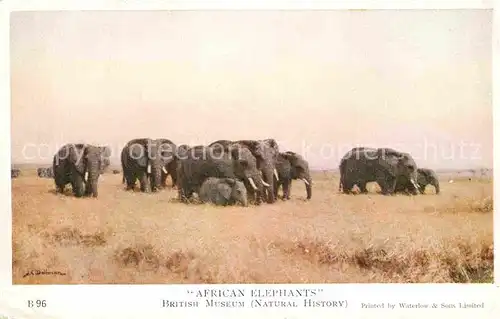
[[319, 82]]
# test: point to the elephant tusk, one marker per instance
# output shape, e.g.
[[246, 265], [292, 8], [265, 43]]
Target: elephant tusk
[[164, 170], [306, 182], [252, 183], [149, 169], [86, 175], [265, 184], [414, 184], [276, 174]]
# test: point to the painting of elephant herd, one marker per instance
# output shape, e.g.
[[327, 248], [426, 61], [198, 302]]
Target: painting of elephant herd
[[229, 214], [216, 172]]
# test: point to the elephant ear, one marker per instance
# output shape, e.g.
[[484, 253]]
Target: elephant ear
[[167, 152], [423, 172], [77, 154], [224, 190], [230, 181], [271, 142], [388, 161], [255, 147], [138, 152], [105, 151]]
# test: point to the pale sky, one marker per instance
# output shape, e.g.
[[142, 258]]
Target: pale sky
[[319, 82]]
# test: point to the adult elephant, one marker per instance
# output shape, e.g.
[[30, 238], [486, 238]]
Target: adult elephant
[[45, 172], [266, 153], [15, 172], [425, 177], [173, 166], [292, 166], [385, 166], [202, 162], [80, 165], [146, 160]]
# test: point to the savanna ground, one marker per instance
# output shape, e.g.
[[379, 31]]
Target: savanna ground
[[130, 237]]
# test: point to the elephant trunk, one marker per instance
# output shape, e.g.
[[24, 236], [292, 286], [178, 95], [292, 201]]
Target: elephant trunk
[[155, 176], [306, 178], [308, 183], [256, 183], [91, 180], [435, 183], [243, 201], [268, 178]]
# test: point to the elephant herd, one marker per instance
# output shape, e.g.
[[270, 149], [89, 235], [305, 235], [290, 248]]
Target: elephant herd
[[216, 172], [229, 172]]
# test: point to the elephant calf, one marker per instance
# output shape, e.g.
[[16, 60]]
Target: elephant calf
[[425, 177], [223, 191]]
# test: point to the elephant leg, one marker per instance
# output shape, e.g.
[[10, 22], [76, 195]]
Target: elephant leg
[[145, 183], [347, 187], [174, 180], [60, 188], [182, 193], [88, 189], [77, 184], [362, 187], [130, 179], [164, 179], [287, 185], [276, 187], [388, 186]]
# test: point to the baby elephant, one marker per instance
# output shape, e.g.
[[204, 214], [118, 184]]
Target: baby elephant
[[223, 191]]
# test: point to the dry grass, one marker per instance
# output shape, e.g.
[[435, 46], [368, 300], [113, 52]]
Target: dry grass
[[130, 237]]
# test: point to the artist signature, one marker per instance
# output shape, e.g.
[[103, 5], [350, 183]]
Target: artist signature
[[43, 272]]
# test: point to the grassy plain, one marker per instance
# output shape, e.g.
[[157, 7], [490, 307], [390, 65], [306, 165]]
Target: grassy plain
[[134, 238]]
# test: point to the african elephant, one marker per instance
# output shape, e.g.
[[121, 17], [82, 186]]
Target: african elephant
[[291, 166], [223, 191], [266, 152], [81, 165], [362, 165], [202, 162], [15, 172], [173, 166], [425, 177], [146, 160], [45, 172]]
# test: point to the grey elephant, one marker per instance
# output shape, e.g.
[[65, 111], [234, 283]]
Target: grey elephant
[[80, 165], [266, 152], [223, 191], [425, 177], [146, 160], [292, 166], [45, 172], [362, 165], [202, 162], [15, 172], [173, 166]]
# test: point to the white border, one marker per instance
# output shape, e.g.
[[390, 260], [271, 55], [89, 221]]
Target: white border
[[139, 300]]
